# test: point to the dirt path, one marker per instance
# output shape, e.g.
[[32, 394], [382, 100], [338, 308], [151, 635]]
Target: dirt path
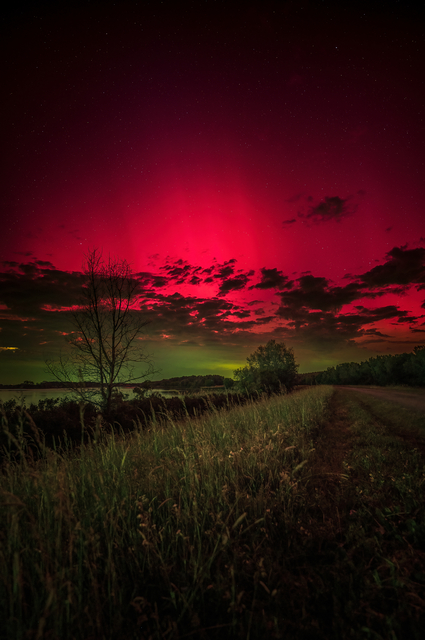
[[332, 447], [411, 399]]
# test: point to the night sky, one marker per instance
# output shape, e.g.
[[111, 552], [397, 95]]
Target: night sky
[[260, 165]]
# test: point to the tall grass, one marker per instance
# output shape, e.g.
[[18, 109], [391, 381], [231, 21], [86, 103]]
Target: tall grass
[[158, 533]]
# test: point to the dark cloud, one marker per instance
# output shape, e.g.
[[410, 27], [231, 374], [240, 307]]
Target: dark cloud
[[381, 313], [331, 208], [224, 275], [242, 314], [32, 286], [35, 300], [149, 280], [403, 267], [328, 331], [316, 293], [264, 320], [375, 332], [179, 271], [272, 279], [325, 331], [224, 272], [189, 318], [208, 270], [234, 284], [312, 308], [214, 306], [313, 211], [252, 302]]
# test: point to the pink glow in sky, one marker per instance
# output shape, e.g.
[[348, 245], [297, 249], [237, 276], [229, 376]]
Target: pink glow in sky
[[261, 166]]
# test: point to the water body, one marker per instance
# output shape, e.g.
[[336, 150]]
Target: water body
[[33, 396]]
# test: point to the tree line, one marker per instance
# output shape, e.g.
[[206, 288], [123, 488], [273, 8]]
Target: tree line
[[403, 368], [189, 383]]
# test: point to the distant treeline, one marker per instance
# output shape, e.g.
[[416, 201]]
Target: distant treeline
[[178, 383], [188, 383], [27, 384], [404, 369]]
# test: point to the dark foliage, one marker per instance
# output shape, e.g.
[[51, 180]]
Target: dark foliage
[[60, 424], [187, 382], [270, 369], [404, 369]]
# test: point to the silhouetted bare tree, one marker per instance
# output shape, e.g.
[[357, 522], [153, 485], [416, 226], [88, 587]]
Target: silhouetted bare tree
[[107, 324]]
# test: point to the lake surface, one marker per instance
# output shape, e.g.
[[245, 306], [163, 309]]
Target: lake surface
[[33, 396]]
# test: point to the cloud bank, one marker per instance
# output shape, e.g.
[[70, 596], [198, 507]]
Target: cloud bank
[[218, 306]]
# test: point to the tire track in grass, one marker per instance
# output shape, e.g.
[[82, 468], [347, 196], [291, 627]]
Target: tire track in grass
[[365, 552], [386, 540], [315, 577], [410, 398], [332, 447], [401, 422], [334, 442]]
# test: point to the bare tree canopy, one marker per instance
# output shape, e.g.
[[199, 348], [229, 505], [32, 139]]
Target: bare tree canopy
[[107, 325]]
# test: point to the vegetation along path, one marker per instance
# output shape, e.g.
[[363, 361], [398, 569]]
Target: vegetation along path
[[299, 516]]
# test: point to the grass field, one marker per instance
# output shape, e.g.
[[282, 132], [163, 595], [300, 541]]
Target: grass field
[[299, 516]]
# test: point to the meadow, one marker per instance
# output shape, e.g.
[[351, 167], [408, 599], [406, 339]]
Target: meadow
[[297, 516]]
